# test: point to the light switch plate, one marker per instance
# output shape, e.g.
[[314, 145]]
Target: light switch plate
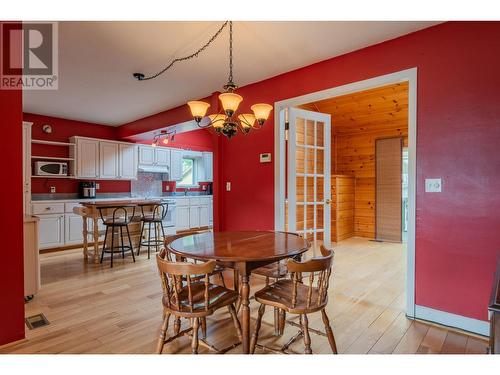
[[97, 186], [433, 185], [228, 186]]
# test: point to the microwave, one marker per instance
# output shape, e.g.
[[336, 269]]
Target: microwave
[[49, 168]]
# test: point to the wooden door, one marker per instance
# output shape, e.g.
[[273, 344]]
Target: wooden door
[[388, 201], [309, 194]]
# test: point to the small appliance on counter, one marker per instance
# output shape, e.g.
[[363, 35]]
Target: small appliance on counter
[[87, 189], [209, 189]]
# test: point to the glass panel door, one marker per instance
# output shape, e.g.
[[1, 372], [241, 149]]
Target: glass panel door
[[309, 156]]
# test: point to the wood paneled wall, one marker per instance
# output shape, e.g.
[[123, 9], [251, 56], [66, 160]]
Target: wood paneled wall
[[359, 119], [356, 157], [342, 224]]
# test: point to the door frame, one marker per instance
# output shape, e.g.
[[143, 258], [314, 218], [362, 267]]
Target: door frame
[[407, 75]]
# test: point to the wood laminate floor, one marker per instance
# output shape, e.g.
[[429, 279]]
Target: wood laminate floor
[[95, 309]]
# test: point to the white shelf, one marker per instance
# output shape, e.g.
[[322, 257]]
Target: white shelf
[[33, 176], [50, 158], [53, 143]]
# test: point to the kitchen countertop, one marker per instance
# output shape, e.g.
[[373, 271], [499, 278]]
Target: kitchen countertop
[[30, 218], [122, 199], [118, 202]]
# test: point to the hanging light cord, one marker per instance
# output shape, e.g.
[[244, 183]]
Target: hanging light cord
[[142, 77]]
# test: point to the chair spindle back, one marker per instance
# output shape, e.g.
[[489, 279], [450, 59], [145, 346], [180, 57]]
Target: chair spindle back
[[177, 282], [319, 269]]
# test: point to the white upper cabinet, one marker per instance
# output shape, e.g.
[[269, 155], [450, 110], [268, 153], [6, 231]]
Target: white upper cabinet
[[146, 155], [208, 168], [162, 157], [109, 160], [102, 159], [176, 165], [87, 158], [128, 161]]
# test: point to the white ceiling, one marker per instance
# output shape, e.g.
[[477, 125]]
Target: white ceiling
[[97, 59]]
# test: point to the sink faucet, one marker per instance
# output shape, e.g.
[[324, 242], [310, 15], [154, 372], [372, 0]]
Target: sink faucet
[[186, 191]]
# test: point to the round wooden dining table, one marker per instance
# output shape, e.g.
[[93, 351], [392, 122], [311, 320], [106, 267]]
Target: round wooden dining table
[[242, 251]]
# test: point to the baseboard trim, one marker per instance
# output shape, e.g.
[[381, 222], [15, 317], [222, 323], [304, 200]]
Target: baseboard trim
[[8, 345], [452, 320]]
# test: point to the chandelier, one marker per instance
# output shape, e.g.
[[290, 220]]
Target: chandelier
[[226, 122], [164, 136]]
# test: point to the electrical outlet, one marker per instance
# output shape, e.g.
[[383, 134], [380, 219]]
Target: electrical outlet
[[228, 186], [433, 185], [167, 187], [97, 186], [52, 189]]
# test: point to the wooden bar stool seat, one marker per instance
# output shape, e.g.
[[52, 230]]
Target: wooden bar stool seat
[[184, 297], [218, 297], [305, 293]]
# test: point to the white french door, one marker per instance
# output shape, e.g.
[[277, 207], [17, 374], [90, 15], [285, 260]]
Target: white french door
[[308, 174]]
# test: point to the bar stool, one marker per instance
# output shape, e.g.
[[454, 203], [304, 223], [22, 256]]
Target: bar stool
[[155, 217], [118, 220]]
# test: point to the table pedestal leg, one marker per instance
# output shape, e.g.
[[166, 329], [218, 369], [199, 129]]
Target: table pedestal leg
[[96, 240], [85, 240], [245, 311]]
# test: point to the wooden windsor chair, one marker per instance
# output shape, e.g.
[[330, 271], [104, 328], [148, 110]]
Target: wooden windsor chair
[[217, 271], [186, 295], [300, 297]]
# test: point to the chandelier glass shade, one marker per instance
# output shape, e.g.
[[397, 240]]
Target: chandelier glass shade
[[228, 122]]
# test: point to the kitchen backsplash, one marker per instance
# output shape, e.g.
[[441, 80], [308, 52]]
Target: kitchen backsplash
[[147, 184]]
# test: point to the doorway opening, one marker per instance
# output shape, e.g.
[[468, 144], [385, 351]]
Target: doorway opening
[[368, 183]]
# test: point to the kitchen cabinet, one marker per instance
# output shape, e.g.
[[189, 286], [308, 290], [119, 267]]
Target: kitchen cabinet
[[192, 212], [204, 216], [162, 157], [51, 233], [208, 167], [109, 157], [102, 159], [31, 256], [182, 218], [176, 165], [211, 212], [146, 155], [73, 225], [87, 158], [194, 217], [128, 161]]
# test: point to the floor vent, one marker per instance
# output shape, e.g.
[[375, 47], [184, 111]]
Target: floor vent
[[36, 321]]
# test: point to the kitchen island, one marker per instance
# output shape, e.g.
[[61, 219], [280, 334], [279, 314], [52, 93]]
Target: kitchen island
[[89, 210]]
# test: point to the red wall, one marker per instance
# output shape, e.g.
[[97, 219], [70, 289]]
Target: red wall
[[11, 228], [62, 130], [457, 240], [457, 139]]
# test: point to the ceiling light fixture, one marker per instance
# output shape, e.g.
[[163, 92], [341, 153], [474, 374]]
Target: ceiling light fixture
[[164, 136], [227, 122]]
